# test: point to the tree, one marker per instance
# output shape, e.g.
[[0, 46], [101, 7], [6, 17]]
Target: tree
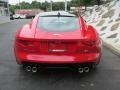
[[85, 3], [24, 5], [58, 6], [98, 2], [81, 2], [13, 7], [69, 5], [44, 6], [35, 4]]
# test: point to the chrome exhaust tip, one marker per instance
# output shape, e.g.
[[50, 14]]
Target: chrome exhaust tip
[[28, 68], [34, 69], [86, 69], [80, 70]]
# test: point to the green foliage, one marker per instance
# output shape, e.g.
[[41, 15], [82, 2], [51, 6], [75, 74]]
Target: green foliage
[[56, 5], [35, 4], [13, 7], [85, 2], [24, 5], [81, 2], [38, 5]]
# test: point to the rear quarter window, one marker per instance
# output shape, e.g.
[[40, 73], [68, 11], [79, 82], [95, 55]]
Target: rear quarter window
[[58, 24]]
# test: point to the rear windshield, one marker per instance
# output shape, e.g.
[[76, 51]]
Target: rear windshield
[[58, 24]]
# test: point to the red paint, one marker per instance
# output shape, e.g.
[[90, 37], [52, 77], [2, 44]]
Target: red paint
[[79, 46]]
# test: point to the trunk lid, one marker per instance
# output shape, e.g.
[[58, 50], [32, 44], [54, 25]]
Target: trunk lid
[[41, 34], [62, 42]]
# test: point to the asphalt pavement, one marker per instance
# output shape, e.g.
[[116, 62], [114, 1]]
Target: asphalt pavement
[[12, 77], [4, 19]]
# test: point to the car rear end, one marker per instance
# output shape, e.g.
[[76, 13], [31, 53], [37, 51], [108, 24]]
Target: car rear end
[[58, 40]]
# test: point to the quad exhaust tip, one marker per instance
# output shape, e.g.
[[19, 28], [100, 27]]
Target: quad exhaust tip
[[80, 70], [31, 69], [34, 69], [28, 68], [86, 69]]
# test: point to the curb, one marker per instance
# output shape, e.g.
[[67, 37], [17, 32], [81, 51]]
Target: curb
[[111, 48]]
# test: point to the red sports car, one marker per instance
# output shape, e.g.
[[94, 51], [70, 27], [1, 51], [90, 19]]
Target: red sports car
[[57, 39]]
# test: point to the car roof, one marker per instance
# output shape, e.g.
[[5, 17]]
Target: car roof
[[55, 13]]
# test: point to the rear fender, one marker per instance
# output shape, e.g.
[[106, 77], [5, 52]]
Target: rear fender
[[91, 33], [28, 30]]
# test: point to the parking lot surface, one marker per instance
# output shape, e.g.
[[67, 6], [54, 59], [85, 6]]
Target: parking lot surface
[[12, 77]]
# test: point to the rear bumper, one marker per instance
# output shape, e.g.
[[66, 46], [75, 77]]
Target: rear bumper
[[58, 59]]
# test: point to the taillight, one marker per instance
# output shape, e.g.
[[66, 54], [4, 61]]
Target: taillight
[[27, 46], [23, 43], [89, 42], [88, 46]]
